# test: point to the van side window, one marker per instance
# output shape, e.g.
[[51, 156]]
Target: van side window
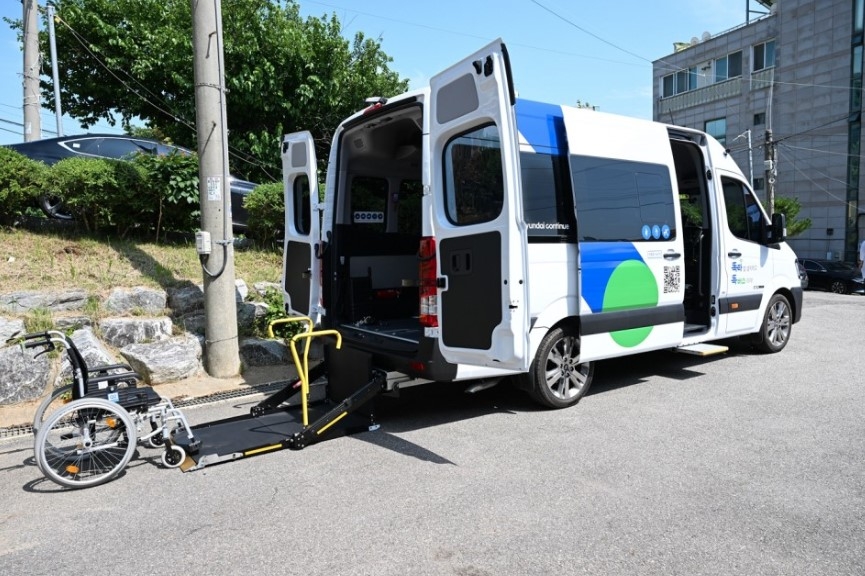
[[474, 185], [301, 205], [369, 202], [547, 201], [620, 200], [744, 217]]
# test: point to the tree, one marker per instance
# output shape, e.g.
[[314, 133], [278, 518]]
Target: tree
[[131, 60], [790, 208]]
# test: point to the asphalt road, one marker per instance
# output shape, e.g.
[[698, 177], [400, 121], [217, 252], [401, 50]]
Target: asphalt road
[[740, 464]]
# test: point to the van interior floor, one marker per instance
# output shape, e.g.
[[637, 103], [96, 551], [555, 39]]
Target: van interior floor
[[406, 329]]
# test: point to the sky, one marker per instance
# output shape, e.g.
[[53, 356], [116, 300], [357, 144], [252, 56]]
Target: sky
[[562, 51]]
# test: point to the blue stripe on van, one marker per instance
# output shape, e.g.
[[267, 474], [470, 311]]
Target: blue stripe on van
[[598, 261], [543, 126]]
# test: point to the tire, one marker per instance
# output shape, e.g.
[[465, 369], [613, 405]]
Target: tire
[[173, 456], [777, 325], [53, 207], [59, 398], [86, 443], [839, 287], [556, 378]]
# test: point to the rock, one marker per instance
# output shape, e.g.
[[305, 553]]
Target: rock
[[261, 352], [184, 300], [262, 287], [22, 302], [188, 299], [64, 323], [241, 290], [122, 331], [10, 327], [166, 361], [24, 377], [146, 300], [248, 313], [192, 323]]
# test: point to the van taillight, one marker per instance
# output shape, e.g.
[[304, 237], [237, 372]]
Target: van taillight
[[427, 282]]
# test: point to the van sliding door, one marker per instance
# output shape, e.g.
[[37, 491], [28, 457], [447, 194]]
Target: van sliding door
[[301, 268], [473, 174]]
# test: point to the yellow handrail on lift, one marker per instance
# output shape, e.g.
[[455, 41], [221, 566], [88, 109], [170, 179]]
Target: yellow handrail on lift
[[303, 367], [303, 370]]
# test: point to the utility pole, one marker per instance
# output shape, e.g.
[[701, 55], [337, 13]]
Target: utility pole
[[52, 41], [32, 105], [222, 358], [771, 170]]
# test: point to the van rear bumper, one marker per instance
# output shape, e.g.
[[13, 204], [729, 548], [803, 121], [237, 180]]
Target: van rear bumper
[[423, 360]]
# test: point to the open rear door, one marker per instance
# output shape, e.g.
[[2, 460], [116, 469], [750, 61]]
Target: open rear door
[[473, 173], [301, 268]]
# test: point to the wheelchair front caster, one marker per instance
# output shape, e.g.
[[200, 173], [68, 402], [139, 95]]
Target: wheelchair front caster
[[173, 456]]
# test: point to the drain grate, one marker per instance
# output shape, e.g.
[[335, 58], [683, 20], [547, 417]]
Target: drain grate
[[182, 402]]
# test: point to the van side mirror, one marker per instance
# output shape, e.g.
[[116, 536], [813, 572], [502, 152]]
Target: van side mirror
[[778, 231]]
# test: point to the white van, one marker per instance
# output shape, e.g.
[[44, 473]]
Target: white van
[[466, 234]]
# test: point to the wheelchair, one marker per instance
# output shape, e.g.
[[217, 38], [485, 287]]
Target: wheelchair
[[87, 432]]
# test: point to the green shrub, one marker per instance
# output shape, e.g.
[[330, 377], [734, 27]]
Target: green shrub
[[172, 182], [102, 195], [21, 182], [265, 207], [276, 311]]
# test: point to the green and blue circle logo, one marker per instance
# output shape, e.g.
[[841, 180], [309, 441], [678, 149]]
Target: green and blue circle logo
[[617, 279]]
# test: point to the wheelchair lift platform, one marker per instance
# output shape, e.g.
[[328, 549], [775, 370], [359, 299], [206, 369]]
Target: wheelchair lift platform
[[321, 404]]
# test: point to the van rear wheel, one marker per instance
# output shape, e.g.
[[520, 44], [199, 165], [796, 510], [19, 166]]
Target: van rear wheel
[[557, 378]]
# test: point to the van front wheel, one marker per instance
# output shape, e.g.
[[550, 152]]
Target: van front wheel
[[777, 323], [557, 378]]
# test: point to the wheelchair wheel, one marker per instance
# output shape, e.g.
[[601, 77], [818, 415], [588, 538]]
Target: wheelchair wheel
[[173, 456], [86, 443], [59, 398]]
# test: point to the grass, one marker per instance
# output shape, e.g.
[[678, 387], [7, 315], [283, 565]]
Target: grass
[[40, 260]]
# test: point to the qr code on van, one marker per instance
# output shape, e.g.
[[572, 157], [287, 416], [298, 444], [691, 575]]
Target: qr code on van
[[672, 277]]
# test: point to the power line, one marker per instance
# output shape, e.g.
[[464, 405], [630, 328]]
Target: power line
[[843, 201], [242, 156]]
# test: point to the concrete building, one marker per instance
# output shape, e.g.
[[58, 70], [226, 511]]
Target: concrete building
[[792, 72]]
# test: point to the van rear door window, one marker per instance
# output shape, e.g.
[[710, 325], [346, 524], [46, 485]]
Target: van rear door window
[[621, 200], [474, 184]]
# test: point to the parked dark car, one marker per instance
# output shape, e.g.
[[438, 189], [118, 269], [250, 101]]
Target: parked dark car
[[839, 277], [118, 147]]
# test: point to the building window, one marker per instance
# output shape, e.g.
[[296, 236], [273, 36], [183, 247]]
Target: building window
[[759, 183], [681, 81], [764, 55], [717, 128], [730, 66], [759, 119]]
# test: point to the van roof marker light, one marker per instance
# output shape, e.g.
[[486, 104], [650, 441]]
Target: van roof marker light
[[374, 103]]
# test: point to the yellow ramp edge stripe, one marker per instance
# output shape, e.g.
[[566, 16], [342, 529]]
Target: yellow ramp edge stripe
[[335, 420], [263, 449]]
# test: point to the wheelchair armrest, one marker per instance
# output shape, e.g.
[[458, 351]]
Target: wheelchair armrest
[[106, 367]]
